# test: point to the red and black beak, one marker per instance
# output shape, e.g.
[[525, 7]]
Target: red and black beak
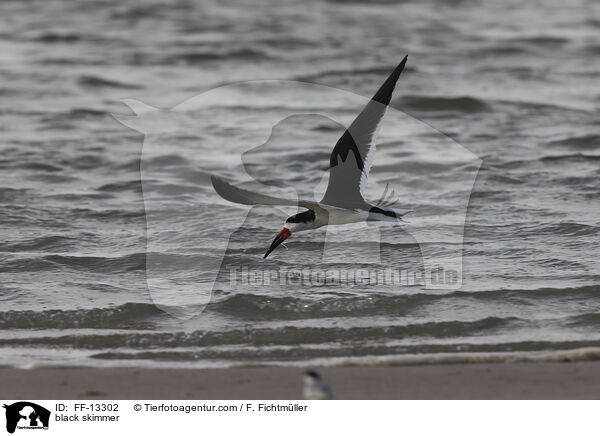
[[281, 236]]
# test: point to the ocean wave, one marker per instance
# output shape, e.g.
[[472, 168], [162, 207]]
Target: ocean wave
[[131, 216], [96, 264], [212, 54], [12, 194], [575, 354], [49, 242], [53, 37], [126, 316], [578, 142], [561, 228], [572, 156], [434, 104], [89, 81], [587, 320], [253, 307], [35, 166], [257, 307], [540, 41], [129, 185], [352, 72], [525, 163], [374, 355], [165, 161], [284, 336]]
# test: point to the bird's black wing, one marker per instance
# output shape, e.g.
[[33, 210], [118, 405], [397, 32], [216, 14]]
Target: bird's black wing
[[242, 196], [351, 158]]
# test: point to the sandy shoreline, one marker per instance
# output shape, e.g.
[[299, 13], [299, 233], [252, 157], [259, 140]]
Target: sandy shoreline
[[539, 380]]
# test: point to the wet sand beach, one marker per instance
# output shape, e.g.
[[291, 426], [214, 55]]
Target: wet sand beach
[[544, 380]]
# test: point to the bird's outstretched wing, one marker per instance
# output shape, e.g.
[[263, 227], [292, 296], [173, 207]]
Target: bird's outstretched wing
[[351, 158], [242, 196]]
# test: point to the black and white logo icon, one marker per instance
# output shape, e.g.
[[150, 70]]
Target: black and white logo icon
[[26, 415]]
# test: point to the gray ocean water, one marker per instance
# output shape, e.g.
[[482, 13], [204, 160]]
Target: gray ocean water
[[516, 84]]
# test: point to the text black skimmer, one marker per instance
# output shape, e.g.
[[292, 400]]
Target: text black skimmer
[[349, 166]]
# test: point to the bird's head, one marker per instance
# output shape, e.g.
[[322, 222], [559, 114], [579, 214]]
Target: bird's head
[[295, 223], [312, 375]]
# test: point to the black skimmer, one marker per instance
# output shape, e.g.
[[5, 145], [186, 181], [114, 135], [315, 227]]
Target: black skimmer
[[315, 388], [349, 166]]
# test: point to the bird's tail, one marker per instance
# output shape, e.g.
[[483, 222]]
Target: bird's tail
[[381, 213]]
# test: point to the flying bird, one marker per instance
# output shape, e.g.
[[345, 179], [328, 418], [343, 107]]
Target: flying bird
[[349, 165], [315, 388]]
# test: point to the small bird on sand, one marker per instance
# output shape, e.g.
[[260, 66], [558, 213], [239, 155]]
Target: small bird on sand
[[315, 388]]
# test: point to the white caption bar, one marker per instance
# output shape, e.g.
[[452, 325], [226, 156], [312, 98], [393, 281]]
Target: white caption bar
[[299, 417]]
